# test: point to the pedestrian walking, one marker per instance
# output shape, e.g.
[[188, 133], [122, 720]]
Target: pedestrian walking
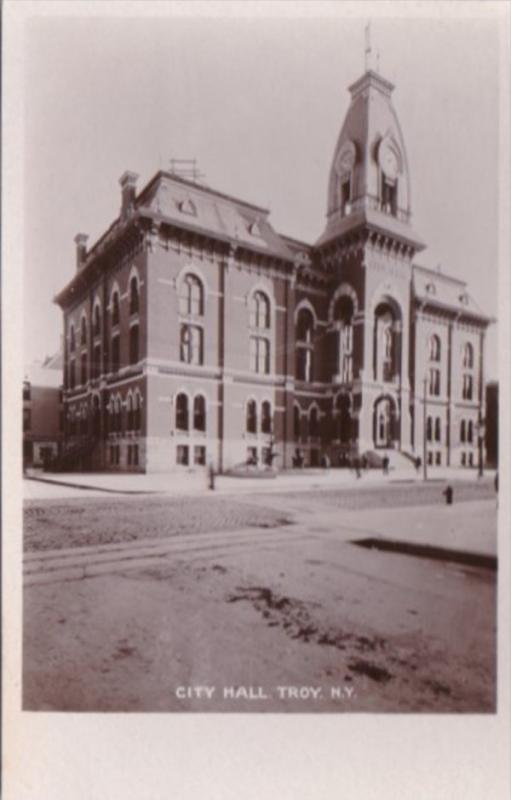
[[211, 476], [448, 493], [385, 465]]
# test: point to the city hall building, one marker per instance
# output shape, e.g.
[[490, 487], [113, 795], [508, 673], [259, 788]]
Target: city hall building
[[196, 334]]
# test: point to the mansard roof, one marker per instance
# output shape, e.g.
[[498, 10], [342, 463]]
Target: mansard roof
[[212, 213], [437, 290]]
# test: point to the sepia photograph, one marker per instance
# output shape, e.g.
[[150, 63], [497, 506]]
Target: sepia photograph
[[246, 430], [259, 376]]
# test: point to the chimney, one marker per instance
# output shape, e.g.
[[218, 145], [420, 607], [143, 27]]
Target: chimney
[[81, 250], [128, 183]]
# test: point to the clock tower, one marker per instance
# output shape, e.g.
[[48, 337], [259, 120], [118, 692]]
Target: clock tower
[[367, 248]]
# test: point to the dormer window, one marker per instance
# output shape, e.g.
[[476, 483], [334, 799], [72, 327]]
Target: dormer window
[[187, 207], [430, 288], [463, 298], [254, 229]]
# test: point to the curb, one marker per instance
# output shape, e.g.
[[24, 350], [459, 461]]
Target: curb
[[470, 559]]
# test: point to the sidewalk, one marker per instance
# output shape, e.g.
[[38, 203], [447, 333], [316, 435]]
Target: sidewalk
[[41, 485]]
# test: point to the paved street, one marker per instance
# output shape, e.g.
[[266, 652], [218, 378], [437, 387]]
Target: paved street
[[266, 602]]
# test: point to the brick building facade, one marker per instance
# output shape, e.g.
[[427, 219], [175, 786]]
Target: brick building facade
[[43, 412], [195, 333]]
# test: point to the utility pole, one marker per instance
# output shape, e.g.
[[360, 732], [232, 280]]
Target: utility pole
[[480, 436], [424, 429]]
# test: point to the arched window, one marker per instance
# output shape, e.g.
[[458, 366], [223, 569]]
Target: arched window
[[385, 356], [191, 297], [429, 429], [83, 331], [343, 315], [182, 412], [468, 356], [304, 326], [296, 422], [314, 422], [438, 430], [251, 421], [134, 298], [72, 342], [97, 320], [304, 345], [199, 413], [259, 311], [115, 308], [266, 417], [434, 348], [463, 431]]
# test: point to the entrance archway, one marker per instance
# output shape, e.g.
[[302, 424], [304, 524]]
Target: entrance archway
[[384, 422]]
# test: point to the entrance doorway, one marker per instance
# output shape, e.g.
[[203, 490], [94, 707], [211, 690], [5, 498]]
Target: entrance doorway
[[384, 417]]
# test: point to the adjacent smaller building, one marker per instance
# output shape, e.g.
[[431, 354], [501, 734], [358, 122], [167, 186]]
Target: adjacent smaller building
[[43, 415], [492, 424]]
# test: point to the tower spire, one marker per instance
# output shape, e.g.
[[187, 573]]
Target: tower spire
[[367, 52]]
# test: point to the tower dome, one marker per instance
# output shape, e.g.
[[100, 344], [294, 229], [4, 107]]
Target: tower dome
[[369, 178]]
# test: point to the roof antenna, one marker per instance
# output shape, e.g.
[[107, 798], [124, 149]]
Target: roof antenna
[[367, 52]]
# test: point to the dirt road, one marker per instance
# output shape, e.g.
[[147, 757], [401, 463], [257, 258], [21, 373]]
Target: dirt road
[[281, 622]]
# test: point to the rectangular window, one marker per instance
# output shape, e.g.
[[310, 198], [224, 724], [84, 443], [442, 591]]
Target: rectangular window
[[463, 460], [430, 458], [468, 386], [389, 196], [182, 454], [116, 353], [134, 344], [72, 375], [304, 364], [199, 455], [26, 391], [117, 454], [191, 347], [83, 369], [470, 459], [27, 419], [434, 382], [347, 369], [259, 355], [129, 455], [438, 459]]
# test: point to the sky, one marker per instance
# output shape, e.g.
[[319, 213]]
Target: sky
[[259, 102]]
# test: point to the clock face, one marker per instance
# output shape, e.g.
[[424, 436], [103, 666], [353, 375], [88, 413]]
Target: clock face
[[388, 160]]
